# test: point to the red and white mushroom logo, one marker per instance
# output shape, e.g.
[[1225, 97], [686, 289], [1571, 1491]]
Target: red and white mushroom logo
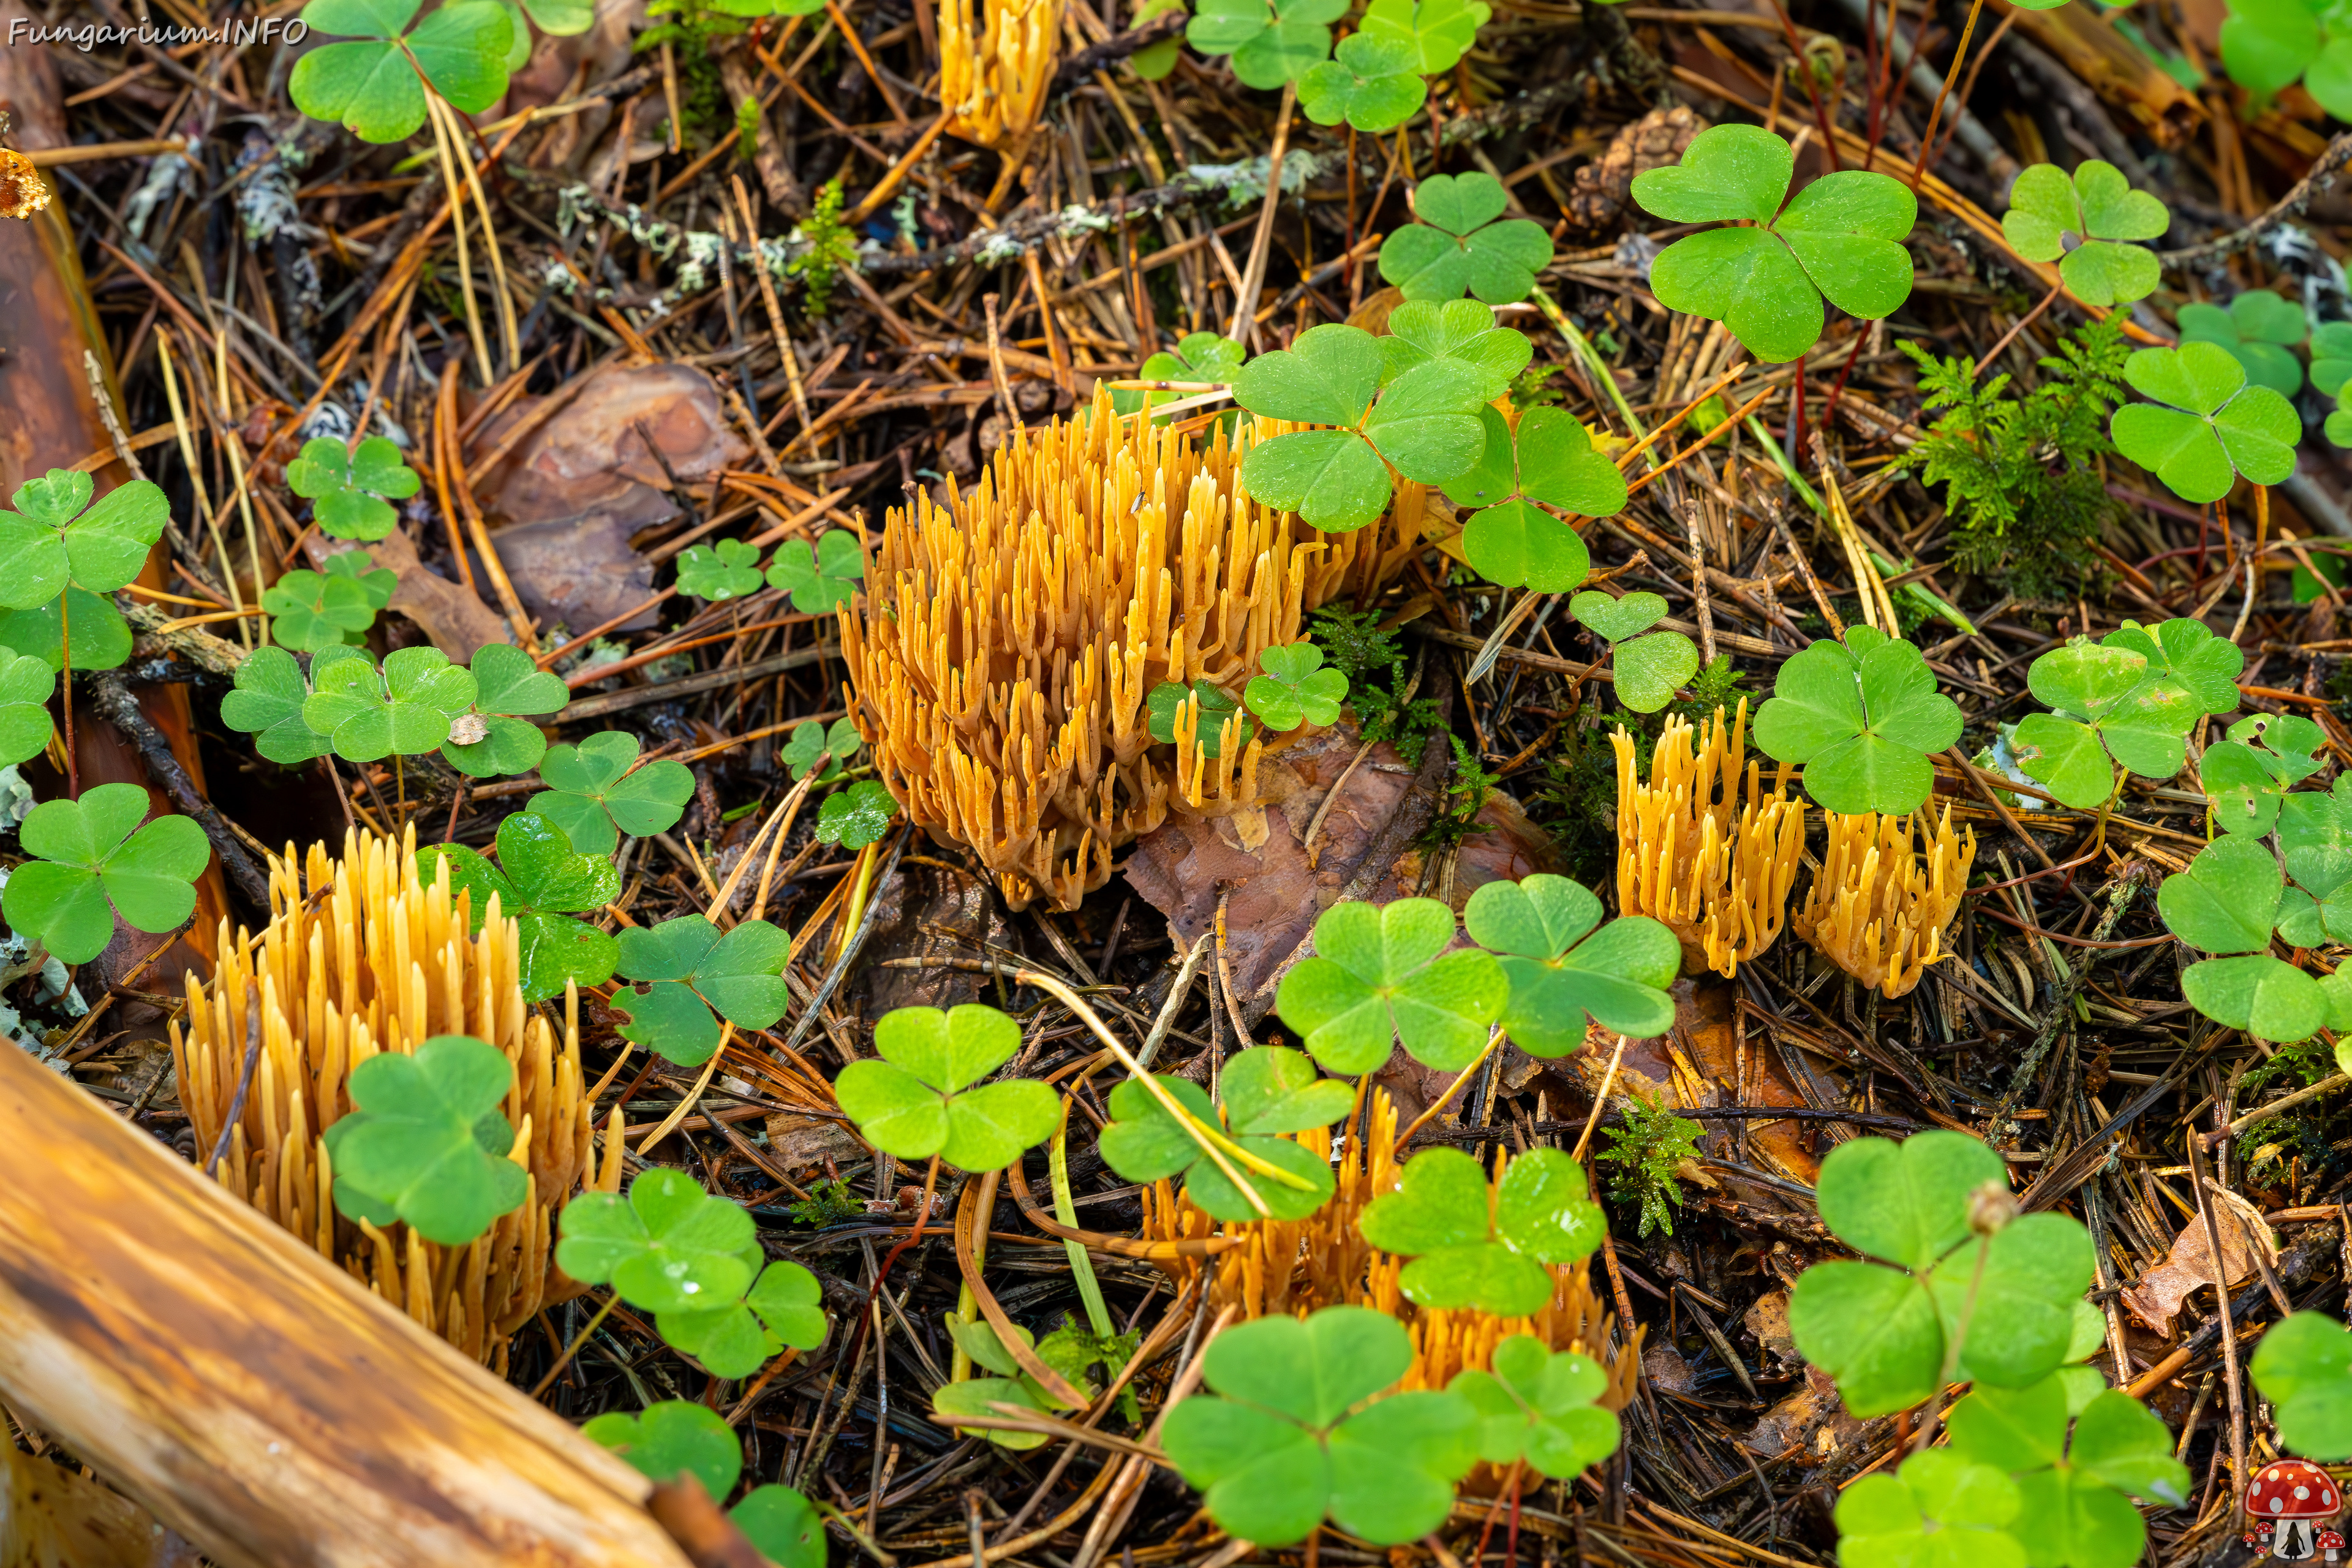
[[2290, 1501]]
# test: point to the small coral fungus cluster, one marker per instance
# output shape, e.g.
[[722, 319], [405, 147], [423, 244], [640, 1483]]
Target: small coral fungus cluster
[[1703, 848], [1008, 640], [362, 956]]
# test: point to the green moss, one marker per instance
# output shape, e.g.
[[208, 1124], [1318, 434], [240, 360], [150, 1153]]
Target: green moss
[[1652, 1146]]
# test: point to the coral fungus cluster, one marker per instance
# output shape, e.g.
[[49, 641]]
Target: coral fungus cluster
[[1701, 846], [993, 81], [360, 956], [1878, 909], [1002, 654]]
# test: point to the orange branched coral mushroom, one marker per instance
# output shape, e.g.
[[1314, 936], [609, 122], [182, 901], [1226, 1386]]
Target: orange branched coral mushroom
[[1007, 642], [1298, 1266], [1696, 850], [1877, 909], [374, 960], [994, 83]]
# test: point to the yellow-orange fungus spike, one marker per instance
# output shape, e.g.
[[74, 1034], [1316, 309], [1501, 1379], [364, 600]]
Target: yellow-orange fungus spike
[[993, 80], [1007, 643], [362, 956], [1701, 846], [1878, 908]]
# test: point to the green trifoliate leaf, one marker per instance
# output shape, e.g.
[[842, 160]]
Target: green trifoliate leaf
[[1651, 669], [1166, 701], [1537, 1406], [1463, 330], [1275, 1450], [1940, 1511], [1377, 977], [857, 817], [1272, 41], [1268, 1090], [1369, 84], [2076, 1499], [1294, 690], [2314, 836], [687, 971], [2331, 356], [2258, 329], [1862, 717], [1615, 620], [2138, 692], [2226, 900], [352, 490], [925, 1097], [370, 86], [1439, 1218], [596, 792], [2267, 44], [96, 862], [1550, 460], [267, 705], [1458, 246], [674, 1437], [821, 579], [669, 1246], [2216, 429], [312, 611], [735, 1340], [56, 536], [2247, 776], [725, 570], [2081, 222], [812, 739], [2303, 1366], [1840, 236], [1562, 969], [428, 1143], [1197, 356], [540, 882], [495, 735], [25, 685], [1435, 34], [405, 708]]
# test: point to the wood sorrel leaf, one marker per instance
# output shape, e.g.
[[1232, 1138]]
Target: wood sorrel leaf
[[725, 570], [1439, 1218], [427, 1143], [1862, 717], [352, 490], [594, 796], [405, 708], [1537, 1406], [1561, 969], [1940, 1511], [1271, 43], [925, 1097], [2226, 900], [539, 882], [672, 1437], [1651, 669], [2257, 329], [1463, 330], [1458, 246], [690, 970], [1268, 1090], [2303, 1366], [1378, 978], [819, 579], [2216, 428], [1369, 84], [508, 685], [95, 862], [56, 537], [1435, 34], [1294, 690], [2078, 222], [1549, 458], [25, 685], [2073, 1502]]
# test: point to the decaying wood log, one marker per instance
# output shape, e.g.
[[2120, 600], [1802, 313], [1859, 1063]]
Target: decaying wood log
[[253, 1398]]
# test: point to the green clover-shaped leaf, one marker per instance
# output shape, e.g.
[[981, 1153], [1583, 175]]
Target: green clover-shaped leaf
[[1940, 1511], [1272, 41], [2075, 1504], [1461, 1256], [267, 705], [821, 579], [1549, 459], [687, 971], [1840, 236], [2247, 776], [1459, 248], [782, 1525], [1861, 718], [2216, 429], [2081, 221], [56, 536], [25, 685], [2331, 356], [925, 1097], [812, 739], [2258, 329], [1435, 33], [1153, 62], [855, 816], [1268, 1090], [1381, 976], [1369, 84], [371, 87], [1615, 620], [2267, 44], [313, 610], [1294, 690], [1197, 356], [539, 882], [1462, 331], [674, 1437], [1166, 701], [405, 708], [1562, 969], [2315, 836], [725, 570], [428, 1142], [668, 1248], [782, 1308], [96, 862], [2303, 1366], [352, 492], [2268, 997], [596, 792], [2137, 693], [493, 737], [1275, 1451], [1423, 423], [1538, 1407]]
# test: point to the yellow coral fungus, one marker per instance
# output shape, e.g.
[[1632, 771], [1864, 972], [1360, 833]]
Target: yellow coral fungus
[[372, 959], [1878, 910], [1007, 643], [1713, 860], [993, 83], [1298, 1267]]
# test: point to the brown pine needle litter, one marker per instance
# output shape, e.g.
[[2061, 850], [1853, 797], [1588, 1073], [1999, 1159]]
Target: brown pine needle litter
[[1004, 651], [1877, 909], [369, 958]]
